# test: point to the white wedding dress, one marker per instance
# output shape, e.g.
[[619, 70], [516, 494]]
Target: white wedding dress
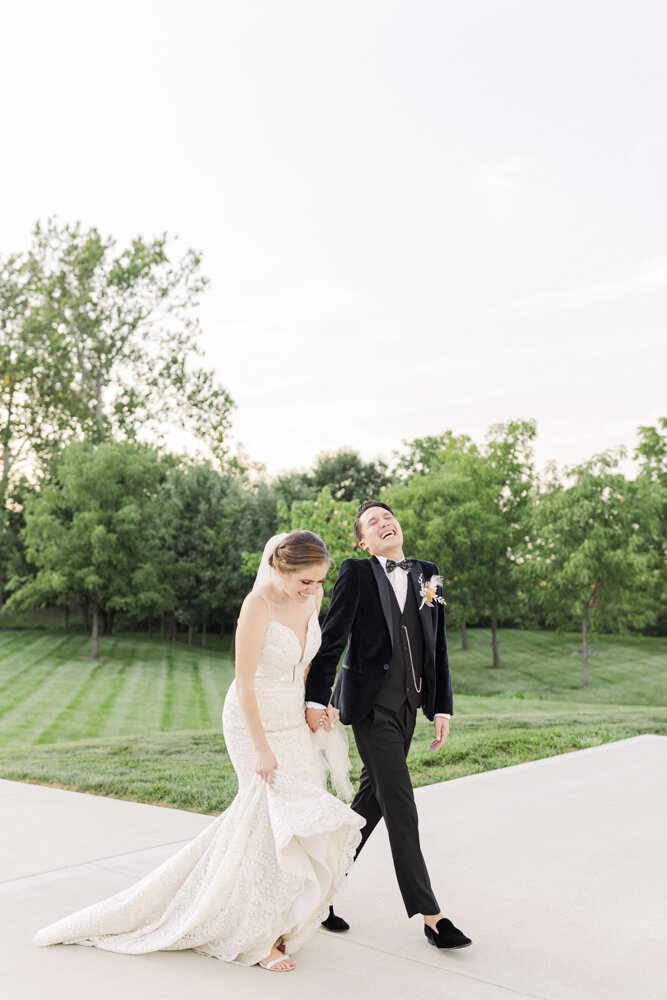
[[269, 865]]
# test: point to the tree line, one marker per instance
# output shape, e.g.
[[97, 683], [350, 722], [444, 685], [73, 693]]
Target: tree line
[[99, 348]]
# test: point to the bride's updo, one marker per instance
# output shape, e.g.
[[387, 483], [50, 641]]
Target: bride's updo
[[298, 549]]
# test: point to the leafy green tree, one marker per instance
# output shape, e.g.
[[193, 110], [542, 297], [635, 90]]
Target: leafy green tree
[[348, 477], [428, 454], [467, 508], [291, 486], [205, 510], [119, 332], [35, 399], [13, 560], [650, 499], [92, 531], [448, 518], [587, 559]]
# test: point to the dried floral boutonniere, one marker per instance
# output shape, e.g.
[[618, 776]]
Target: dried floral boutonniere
[[427, 591]]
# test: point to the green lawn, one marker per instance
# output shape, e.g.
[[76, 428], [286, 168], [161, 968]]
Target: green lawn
[[143, 722]]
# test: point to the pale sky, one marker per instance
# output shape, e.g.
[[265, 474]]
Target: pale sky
[[416, 216]]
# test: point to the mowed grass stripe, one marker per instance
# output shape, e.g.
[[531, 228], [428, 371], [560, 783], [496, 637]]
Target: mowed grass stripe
[[144, 686], [215, 681], [144, 709], [34, 710], [88, 711], [126, 701], [135, 688], [624, 669], [19, 662]]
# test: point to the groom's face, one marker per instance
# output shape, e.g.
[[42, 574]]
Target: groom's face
[[381, 533]]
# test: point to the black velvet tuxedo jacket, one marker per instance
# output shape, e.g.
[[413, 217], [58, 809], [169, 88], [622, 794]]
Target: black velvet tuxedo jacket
[[360, 618]]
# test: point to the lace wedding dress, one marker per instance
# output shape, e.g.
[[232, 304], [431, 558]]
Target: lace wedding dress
[[269, 865]]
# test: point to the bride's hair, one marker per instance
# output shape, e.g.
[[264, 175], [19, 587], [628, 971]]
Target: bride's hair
[[298, 549]]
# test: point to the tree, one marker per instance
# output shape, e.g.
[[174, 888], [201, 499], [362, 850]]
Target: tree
[[348, 477], [36, 402], [291, 486], [92, 533], [649, 492], [205, 509], [467, 507], [428, 454], [450, 518], [13, 561], [586, 558], [110, 343]]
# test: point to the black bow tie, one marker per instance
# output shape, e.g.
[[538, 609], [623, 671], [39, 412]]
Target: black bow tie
[[402, 564]]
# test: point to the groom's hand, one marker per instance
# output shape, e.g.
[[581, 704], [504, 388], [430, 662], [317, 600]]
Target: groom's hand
[[441, 732]]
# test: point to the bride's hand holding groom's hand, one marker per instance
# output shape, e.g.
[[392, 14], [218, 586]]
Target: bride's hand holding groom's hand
[[322, 717]]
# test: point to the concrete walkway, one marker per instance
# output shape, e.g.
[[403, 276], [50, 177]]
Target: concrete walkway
[[555, 868]]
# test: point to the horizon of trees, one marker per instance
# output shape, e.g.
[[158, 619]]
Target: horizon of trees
[[99, 347]]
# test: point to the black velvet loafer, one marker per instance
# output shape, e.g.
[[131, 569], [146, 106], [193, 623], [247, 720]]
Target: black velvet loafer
[[334, 923], [447, 935]]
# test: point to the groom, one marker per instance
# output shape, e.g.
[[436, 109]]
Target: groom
[[396, 661]]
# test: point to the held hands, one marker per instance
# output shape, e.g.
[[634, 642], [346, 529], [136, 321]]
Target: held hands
[[322, 717], [441, 732], [266, 764]]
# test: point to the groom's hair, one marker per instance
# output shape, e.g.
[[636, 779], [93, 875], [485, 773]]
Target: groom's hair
[[358, 533]]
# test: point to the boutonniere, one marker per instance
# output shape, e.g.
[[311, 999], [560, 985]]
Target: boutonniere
[[427, 591]]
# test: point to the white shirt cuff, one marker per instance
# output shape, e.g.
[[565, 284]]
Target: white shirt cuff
[[442, 715], [314, 704]]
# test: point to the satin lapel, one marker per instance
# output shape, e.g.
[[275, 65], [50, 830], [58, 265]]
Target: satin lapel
[[426, 613], [383, 590]]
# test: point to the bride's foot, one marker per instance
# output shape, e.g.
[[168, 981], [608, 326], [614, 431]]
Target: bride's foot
[[276, 961]]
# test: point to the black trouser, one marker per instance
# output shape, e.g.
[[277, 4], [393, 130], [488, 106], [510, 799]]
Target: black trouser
[[385, 790]]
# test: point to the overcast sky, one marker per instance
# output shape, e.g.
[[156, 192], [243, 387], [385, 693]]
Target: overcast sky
[[416, 216]]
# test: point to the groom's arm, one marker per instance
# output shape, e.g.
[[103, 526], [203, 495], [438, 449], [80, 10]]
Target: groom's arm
[[335, 633]]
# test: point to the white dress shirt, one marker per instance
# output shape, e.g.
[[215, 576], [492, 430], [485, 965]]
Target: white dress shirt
[[399, 581]]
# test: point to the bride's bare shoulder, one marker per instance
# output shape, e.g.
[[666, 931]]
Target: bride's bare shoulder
[[255, 607]]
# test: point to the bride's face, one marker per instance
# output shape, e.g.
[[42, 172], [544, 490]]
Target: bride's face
[[304, 583]]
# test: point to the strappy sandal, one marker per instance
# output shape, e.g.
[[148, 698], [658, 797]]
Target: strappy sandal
[[271, 966]]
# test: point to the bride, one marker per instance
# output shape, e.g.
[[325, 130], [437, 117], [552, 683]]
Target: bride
[[259, 878]]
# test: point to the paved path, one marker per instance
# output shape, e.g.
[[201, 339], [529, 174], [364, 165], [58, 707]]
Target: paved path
[[556, 869]]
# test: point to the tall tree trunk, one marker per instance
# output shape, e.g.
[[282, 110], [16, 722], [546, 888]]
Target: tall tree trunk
[[190, 629], [494, 643], [172, 628], [584, 651], [95, 640], [464, 635], [232, 647], [162, 624], [203, 634]]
